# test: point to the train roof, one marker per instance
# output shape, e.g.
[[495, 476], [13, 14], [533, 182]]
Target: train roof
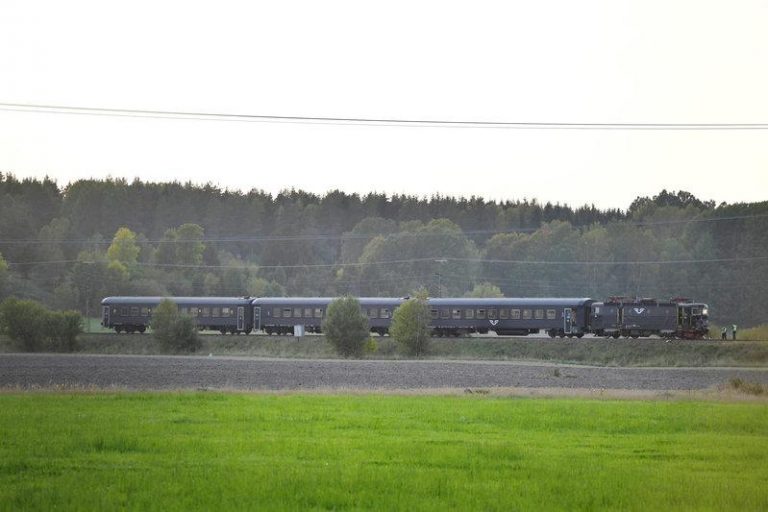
[[240, 301], [322, 301], [511, 302]]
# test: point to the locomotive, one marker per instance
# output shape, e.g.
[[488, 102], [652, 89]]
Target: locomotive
[[558, 317]]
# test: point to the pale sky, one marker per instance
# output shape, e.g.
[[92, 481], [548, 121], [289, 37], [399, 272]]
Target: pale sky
[[643, 61]]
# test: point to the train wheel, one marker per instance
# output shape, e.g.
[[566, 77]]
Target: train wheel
[[142, 329], [580, 335]]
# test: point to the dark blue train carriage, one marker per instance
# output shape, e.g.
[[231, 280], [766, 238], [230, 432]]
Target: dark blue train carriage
[[507, 316], [281, 315], [224, 314]]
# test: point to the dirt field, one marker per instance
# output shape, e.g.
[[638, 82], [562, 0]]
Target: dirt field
[[35, 371]]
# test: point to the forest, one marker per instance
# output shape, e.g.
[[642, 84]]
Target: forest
[[68, 247]]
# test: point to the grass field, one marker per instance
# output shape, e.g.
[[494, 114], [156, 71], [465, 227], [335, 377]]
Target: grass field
[[595, 351], [208, 451]]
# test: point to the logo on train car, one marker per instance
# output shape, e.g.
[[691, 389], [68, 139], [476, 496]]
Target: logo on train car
[[493, 322], [639, 311]]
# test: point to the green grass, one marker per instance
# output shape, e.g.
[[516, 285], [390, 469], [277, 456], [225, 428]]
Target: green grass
[[208, 451], [593, 351]]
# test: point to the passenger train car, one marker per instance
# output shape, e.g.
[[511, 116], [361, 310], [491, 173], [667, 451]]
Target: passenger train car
[[558, 317], [572, 317], [224, 314]]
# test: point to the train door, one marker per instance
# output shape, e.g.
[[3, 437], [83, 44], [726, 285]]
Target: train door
[[240, 318], [105, 316], [567, 320], [257, 318]]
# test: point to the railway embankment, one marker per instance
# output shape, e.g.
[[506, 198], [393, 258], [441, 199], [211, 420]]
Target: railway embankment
[[651, 352]]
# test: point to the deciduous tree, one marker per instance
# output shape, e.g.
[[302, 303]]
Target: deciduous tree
[[410, 326], [176, 332], [345, 327]]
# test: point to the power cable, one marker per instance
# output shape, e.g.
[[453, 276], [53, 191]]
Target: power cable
[[362, 121]]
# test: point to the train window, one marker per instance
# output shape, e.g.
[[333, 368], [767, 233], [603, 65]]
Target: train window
[[227, 312], [469, 314], [216, 312], [286, 312], [480, 313], [206, 312], [276, 312], [503, 313], [514, 314], [114, 311], [456, 314], [134, 311], [384, 313], [318, 312], [144, 311], [184, 311], [123, 311], [193, 312], [307, 312], [492, 314], [551, 314], [296, 312], [539, 314], [527, 314], [434, 313], [373, 313], [444, 313]]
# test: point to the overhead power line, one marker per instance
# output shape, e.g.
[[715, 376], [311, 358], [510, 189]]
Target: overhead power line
[[369, 121]]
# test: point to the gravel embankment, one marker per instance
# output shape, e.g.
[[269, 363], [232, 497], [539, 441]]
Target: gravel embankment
[[34, 371]]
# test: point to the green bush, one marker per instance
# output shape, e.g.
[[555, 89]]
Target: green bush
[[175, 332], [345, 327], [410, 326], [24, 321], [33, 327], [62, 329], [371, 347]]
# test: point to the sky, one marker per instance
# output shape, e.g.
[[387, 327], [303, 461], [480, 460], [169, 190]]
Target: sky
[[634, 61]]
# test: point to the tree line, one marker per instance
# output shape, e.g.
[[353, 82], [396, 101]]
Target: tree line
[[70, 247]]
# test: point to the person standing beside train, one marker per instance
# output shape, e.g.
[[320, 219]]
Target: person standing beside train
[[733, 332], [724, 333]]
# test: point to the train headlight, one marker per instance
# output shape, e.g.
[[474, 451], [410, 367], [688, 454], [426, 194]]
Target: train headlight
[[705, 311]]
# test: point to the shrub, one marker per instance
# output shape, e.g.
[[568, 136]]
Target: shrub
[[410, 326], [176, 332], [371, 347], [24, 321], [345, 327], [62, 329], [31, 325], [751, 388]]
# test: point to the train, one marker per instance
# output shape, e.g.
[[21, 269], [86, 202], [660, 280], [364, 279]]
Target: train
[[557, 317]]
